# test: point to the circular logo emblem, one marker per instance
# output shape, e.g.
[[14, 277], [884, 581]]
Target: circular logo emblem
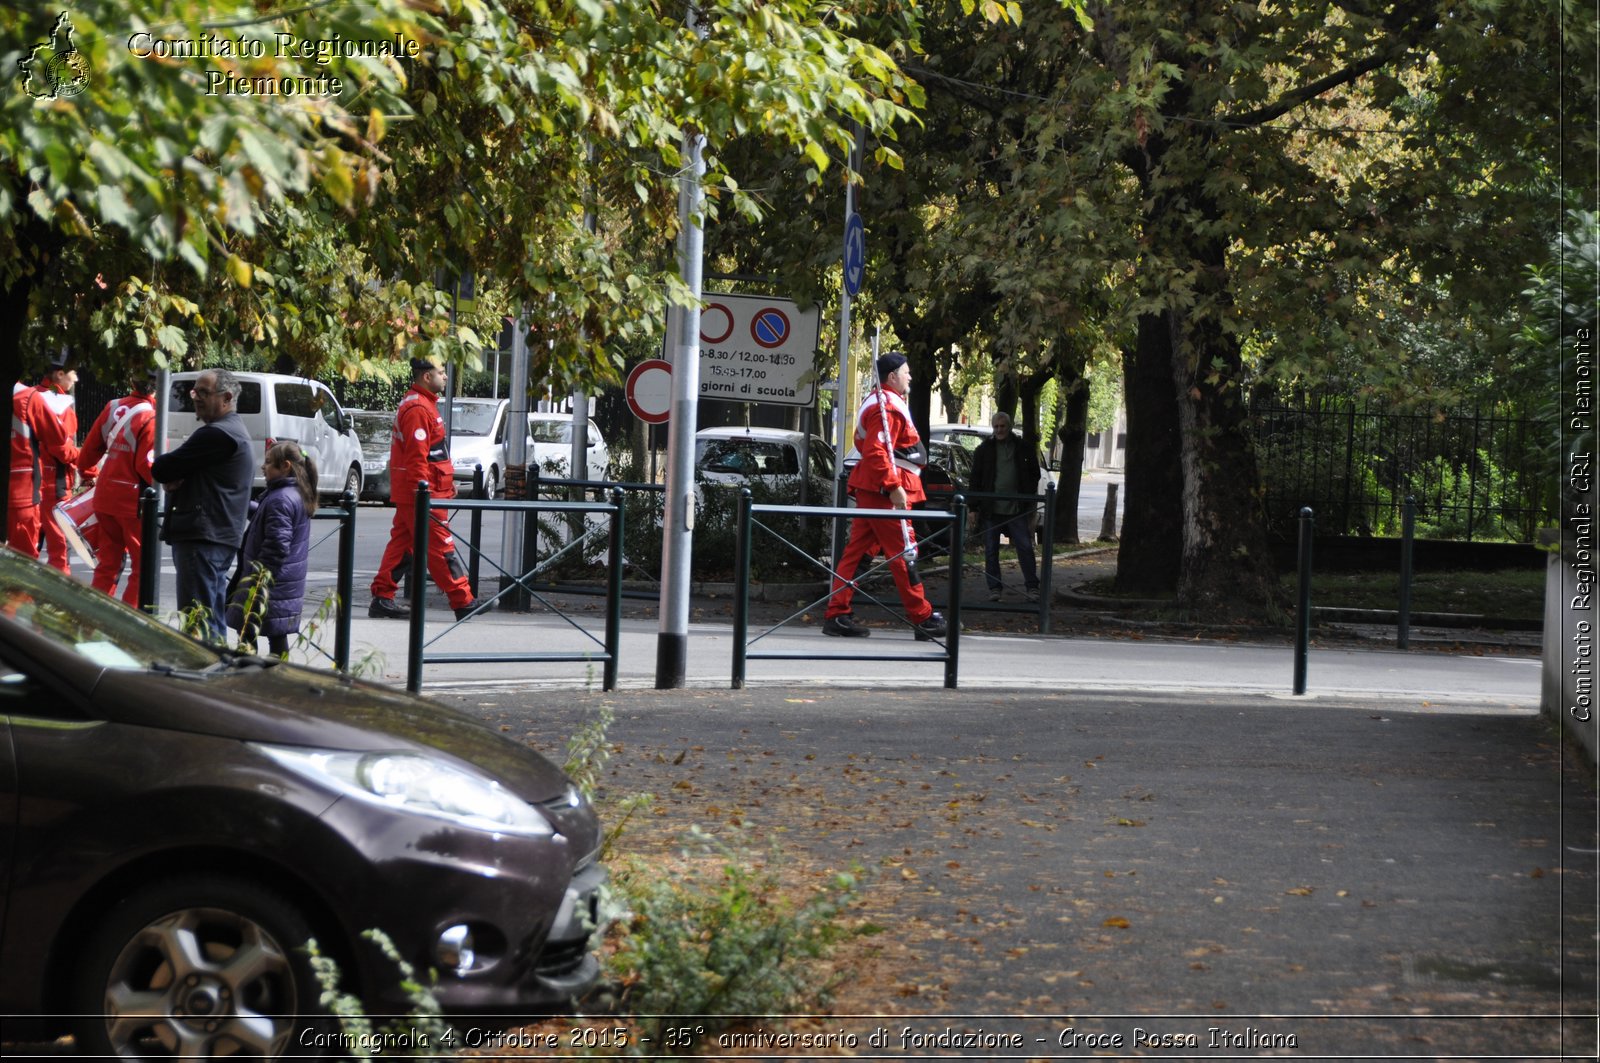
[[69, 75]]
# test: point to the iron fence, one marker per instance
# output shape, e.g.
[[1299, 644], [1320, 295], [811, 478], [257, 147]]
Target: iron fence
[[1476, 474]]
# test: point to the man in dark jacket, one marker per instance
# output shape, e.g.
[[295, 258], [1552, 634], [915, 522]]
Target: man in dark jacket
[[208, 479], [1005, 464]]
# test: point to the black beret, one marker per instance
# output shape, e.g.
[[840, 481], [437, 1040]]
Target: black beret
[[889, 363]]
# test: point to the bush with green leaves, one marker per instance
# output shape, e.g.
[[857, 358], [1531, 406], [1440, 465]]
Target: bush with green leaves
[[424, 1032], [720, 942]]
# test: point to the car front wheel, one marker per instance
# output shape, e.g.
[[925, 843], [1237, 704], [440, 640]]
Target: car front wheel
[[206, 967], [352, 481]]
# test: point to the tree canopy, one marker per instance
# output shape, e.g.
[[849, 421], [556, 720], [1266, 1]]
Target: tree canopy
[[475, 145], [1235, 195]]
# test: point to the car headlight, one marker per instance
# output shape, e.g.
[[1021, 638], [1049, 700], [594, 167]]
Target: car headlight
[[416, 783]]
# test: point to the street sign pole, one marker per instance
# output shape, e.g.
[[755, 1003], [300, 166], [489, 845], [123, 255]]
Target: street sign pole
[[677, 536], [578, 469], [512, 522]]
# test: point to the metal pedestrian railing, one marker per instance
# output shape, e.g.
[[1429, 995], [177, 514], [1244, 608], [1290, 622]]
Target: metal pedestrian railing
[[655, 492], [750, 520], [520, 584], [343, 511]]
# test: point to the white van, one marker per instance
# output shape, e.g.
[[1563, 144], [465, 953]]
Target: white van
[[278, 409], [478, 437]]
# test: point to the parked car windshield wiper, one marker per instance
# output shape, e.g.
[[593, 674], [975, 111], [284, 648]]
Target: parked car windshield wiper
[[164, 668], [238, 659]]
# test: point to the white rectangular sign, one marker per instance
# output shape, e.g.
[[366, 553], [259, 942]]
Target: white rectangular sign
[[755, 348]]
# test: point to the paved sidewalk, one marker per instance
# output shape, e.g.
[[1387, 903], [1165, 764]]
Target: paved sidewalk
[[987, 660], [1223, 875]]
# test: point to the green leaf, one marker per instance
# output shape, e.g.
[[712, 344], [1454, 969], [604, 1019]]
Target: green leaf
[[114, 207]]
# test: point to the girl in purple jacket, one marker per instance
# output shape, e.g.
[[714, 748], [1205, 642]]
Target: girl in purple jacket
[[277, 546]]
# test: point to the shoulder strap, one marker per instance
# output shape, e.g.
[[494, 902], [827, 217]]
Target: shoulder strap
[[123, 416]]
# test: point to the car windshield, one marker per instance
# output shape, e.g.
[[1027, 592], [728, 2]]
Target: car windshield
[[106, 633], [374, 429], [550, 431], [966, 439], [472, 418], [179, 399], [746, 457]]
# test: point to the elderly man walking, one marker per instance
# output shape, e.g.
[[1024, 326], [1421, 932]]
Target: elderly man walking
[[1004, 464], [208, 482]]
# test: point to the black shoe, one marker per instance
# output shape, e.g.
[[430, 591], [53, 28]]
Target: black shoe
[[845, 626], [931, 628], [386, 609], [470, 609]]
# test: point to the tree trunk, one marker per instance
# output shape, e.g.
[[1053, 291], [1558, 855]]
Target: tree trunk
[[1005, 395], [1225, 557], [1151, 555], [1193, 514]]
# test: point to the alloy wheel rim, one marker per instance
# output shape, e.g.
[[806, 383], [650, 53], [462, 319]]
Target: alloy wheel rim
[[200, 982]]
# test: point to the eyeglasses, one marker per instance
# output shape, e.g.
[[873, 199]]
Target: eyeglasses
[[201, 393]]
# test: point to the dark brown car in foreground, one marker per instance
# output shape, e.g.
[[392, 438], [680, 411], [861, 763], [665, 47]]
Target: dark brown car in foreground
[[177, 821]]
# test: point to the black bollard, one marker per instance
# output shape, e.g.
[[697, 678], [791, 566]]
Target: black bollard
[[1408, 532], [1302, 636]]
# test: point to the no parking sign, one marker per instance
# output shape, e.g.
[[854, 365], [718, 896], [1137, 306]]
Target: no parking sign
[[756, 348]]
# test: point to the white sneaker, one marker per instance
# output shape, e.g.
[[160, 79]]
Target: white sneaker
[[994, 596]]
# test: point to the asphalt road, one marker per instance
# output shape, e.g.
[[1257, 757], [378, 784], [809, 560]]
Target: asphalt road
[[1081, 870]]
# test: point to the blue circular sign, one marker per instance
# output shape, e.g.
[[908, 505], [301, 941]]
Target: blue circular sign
[[855, 254]]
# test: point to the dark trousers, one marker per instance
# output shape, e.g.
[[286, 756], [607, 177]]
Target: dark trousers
[[1016, 528]]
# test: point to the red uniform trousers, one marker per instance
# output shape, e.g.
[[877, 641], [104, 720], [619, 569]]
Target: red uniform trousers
[[55, 540], [444, 564], [888, 537], [23, 533], [119, 537]]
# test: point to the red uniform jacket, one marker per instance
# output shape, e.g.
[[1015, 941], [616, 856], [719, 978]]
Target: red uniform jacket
[[878, 470], [125, 435], [418, 450], [54, 420], [24, 456]]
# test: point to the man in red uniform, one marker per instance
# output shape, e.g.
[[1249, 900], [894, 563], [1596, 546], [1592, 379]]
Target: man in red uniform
[[125, 436], [53, 418], [22, 505], [888, 476], [418, 452]]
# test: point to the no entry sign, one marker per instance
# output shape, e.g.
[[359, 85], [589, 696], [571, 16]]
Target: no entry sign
[[756, 348], [650, 391]]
